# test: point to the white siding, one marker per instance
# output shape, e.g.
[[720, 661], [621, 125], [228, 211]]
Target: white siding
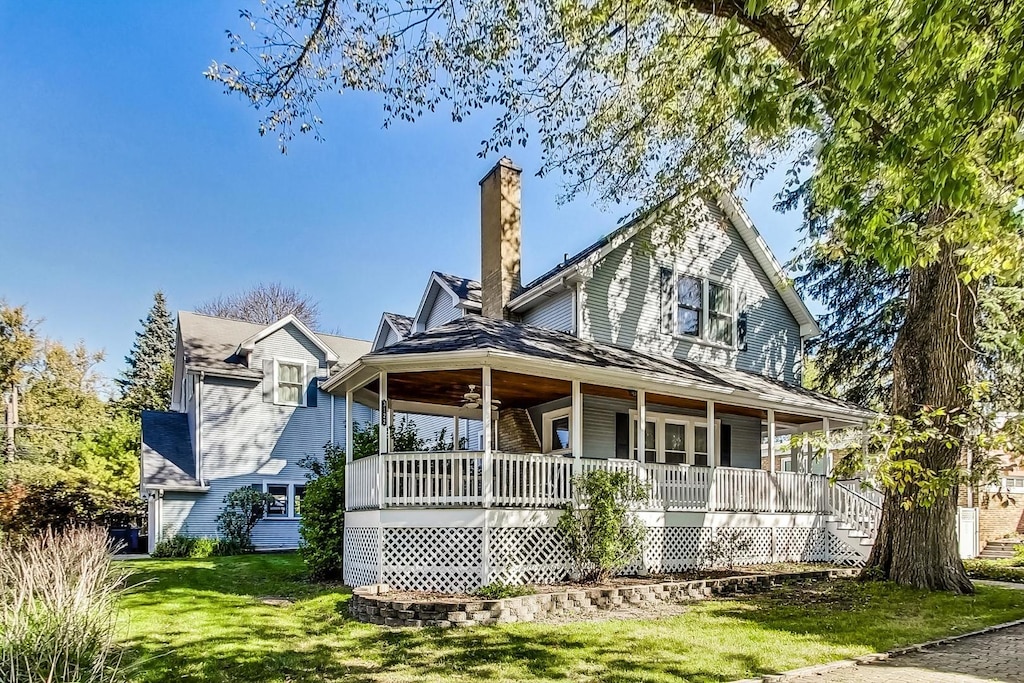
[[621, 301], [442, 311], [553, 313]]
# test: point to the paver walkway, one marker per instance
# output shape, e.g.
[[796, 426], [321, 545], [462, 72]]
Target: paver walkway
[[991, 657]]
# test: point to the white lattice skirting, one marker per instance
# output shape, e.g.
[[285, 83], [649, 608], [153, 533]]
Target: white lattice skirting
[[451, 559]]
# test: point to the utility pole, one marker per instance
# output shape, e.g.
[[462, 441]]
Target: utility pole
[[12, 420]]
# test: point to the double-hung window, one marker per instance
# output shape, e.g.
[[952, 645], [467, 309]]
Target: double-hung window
[[702, 309], [290, 384], [690, 306]]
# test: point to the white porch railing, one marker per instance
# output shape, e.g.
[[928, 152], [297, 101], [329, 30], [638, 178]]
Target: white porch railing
[[545, 481], [856, 511]]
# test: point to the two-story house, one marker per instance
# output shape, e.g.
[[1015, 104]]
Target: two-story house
[[670, 348]]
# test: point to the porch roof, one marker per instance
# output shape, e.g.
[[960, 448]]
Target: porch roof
[[474, 334]]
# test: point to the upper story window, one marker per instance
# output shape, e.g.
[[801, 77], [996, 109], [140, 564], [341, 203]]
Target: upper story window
[[290, 383], [698, 308]]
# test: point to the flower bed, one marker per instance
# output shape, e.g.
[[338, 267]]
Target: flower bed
[[377, 604]]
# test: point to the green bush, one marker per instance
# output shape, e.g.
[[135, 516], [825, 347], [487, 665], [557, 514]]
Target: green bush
[[195, 547], [323, 514], [243, 509], [1018, 555], [499, 590], [59, 593], [599, 527], [995, 570]]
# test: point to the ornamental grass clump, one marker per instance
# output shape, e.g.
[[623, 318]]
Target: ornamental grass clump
[[58, 608]]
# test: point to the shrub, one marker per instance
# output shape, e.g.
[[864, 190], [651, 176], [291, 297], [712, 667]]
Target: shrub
[[1018, 555], [995, 570], [243, 509], [195, 547], [499, 590], [323, 514], [599, 527], [58, 608]]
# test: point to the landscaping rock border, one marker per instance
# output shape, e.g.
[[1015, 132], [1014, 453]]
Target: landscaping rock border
[[371, 604]]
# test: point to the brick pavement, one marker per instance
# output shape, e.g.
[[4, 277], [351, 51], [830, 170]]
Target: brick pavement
[[996, 657]]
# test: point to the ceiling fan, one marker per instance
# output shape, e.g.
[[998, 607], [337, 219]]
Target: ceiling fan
[[473, 399]]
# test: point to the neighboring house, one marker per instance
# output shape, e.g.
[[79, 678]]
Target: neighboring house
[[671, 348], [246, 407]]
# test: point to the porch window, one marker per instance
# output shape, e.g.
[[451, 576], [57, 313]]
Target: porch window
[[700, 445], [290, 383], [557, 431], [674, 439], [675, 442], [690, 305]]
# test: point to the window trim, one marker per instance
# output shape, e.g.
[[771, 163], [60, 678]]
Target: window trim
[[549, 419], [705, 313], [303, 385], [660, 420], [290, 503]]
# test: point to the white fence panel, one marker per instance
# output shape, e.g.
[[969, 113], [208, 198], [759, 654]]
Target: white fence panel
[[361, 483]]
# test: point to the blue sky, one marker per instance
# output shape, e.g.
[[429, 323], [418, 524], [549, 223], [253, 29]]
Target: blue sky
[[125, 171]]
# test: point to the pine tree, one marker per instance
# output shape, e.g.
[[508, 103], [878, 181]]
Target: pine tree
[[146, 382]]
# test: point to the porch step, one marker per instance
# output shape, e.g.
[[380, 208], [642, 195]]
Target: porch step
[[1000, 550]]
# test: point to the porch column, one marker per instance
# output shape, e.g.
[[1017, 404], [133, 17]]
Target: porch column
[[773, 488], [349, 449], [827, 457], [384, 431], [488, 457], [641, 424], [488, 476], [576, 427], [456, 437], [712, 452]]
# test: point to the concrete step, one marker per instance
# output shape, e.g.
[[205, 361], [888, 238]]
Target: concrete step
[[1003, 545], [987, 554]]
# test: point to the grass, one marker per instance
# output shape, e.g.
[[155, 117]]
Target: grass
[[202, 620]]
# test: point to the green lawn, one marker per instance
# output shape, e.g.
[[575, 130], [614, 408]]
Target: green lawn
[[200, 620]]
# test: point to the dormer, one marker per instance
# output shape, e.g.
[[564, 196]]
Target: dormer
[[446, 297]]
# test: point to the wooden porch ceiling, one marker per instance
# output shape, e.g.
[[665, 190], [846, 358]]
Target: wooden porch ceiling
[[515, 390], [447, 387]]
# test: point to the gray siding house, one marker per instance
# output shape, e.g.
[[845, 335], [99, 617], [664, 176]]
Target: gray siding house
[[671, 347]]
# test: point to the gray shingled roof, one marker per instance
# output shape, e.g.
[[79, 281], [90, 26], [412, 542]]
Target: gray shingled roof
[[474, 332], [467, 290], [167, 459], [402, 323], [210, 344]]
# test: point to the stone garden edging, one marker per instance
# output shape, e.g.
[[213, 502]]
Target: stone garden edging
[[371, 604]]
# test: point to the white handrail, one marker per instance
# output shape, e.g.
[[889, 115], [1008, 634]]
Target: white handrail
[[361, 483], [854, 510]]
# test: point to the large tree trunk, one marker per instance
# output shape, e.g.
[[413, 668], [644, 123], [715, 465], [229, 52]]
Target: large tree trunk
[[932, 363]]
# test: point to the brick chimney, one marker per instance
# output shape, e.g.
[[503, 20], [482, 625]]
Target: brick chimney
[[500, 238]]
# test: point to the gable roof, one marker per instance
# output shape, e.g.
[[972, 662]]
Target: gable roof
[[250, 342], [465, 290], [734, 212], [465, 294], [212, 344], [474, 333], [167, 460], [400, 324]]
